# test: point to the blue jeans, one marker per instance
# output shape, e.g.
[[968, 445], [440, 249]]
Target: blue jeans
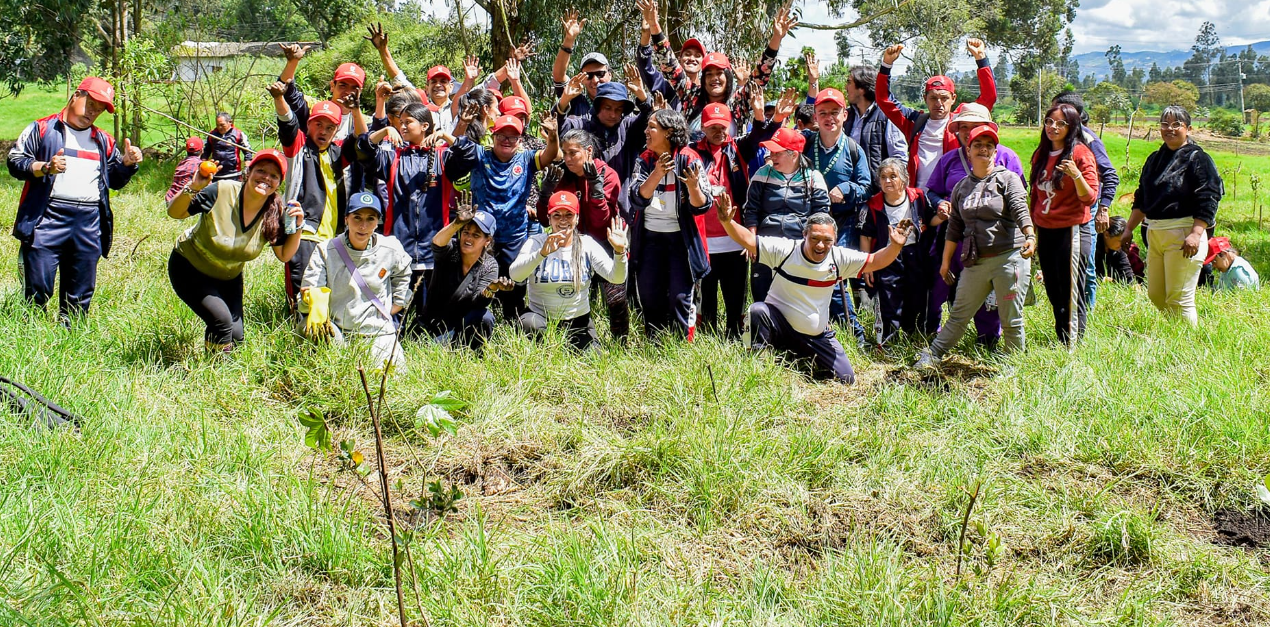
[[1091, 272], [841, 307]]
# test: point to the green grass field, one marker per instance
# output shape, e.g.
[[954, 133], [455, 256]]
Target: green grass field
[[619, 487]]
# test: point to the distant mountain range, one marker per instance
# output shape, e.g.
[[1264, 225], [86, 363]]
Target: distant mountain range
[[1095, 63]]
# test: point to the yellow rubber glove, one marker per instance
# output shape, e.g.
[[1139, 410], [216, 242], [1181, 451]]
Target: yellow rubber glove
[[318, 324]]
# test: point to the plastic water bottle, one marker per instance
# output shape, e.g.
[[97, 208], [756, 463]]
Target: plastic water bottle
[[289, 223]]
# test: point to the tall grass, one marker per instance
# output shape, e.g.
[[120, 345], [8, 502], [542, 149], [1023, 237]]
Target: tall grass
[[612, 487]]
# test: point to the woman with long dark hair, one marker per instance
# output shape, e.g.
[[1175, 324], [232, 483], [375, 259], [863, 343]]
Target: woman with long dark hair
[[1178, 197], [1064, 186], [236, 220], [669, 200]]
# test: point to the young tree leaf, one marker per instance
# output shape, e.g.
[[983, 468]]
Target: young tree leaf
[[435, 419], [447, 401], [317, 435]]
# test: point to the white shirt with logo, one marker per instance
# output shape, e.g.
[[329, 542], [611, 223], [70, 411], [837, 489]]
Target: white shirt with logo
[[81, 182], [801, 290], [550, 287]]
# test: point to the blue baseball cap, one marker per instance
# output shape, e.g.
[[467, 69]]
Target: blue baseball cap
[[485, 222], [365, 200]]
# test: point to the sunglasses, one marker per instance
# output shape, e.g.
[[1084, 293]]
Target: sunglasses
[[597, 75], [1055, 124]]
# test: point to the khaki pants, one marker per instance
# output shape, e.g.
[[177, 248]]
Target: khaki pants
[[1172, 276], [1007, 275]]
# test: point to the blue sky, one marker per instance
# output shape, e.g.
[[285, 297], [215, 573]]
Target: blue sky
[[1134, 24]]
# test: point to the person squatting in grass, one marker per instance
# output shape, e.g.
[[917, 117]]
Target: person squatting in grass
[[1114, 261], [599, 192], [1235, 271], [558, 267], [317, 162], [500, 184], [403, 157], [356, 283], [793, 319], [668, 202], [1064, 186], [903, 288], [236, 221], [988, 211], [464, 280], [68, 167], [1177, 197]]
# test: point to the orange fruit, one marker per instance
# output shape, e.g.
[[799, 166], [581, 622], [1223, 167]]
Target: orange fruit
[[207, 168]]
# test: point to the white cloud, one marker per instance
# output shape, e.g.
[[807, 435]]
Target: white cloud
[[1162, 26]]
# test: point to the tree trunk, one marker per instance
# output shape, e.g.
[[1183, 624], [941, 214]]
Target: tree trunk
[[504, 25]]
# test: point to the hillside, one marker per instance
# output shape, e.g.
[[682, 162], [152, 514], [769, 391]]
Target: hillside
[[1096, 63]]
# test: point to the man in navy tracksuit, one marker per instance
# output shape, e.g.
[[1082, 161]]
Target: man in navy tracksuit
[[64, 219], [227, 146]]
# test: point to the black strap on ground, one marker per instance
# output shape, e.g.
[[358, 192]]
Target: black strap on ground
[[42, 410]]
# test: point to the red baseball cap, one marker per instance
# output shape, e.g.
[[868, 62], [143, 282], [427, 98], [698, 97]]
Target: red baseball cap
[[693, 43], [100, 90], [440, 70], [513, 105], [831, 95], [327, 109], [507, 121], [1216, 246], [940, 82], [785, 139], [716, 59], [716, 114], [269, 154], [986, 129], [563, 200], [498, 94], [350, 72], [193, 144]]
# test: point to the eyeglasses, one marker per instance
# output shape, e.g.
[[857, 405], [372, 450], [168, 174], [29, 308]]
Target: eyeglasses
[[1059, 124], [507, 139], [1172, 126], [597, 75]]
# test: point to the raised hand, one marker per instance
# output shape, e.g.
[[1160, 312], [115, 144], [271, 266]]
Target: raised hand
[[471, 68], [512, 68], [787, 105], [589, 170], [723, 208], [635, 83], [547, 124], [813, 67], [393, 136], [351, 100], [572, 25], [785, 21], [276, 89], [758, 104], [383, 89], [523, 51], [742, 71], [617, 235], [131, 154], [201, 179], [469, 113], [691, 176], [377, 37], [892, 54], [293, 52], [573, 88], [551, 178], [465, 211], [648, 11], [976, 48], [659, 101], [665, 163]]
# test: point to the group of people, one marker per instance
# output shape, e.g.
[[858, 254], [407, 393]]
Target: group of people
[[654, 191]]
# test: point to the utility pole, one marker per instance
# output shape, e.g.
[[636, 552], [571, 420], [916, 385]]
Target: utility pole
[[1241, 91]]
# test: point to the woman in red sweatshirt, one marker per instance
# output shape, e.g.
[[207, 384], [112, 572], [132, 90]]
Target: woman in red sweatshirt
[[1064, 185]]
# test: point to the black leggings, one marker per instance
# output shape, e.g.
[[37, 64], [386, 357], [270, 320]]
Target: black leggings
[[219, 303], [1064, 256], [728, 272]]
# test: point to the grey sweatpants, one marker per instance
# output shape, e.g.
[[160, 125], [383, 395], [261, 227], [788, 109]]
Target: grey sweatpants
[[1008, 275]]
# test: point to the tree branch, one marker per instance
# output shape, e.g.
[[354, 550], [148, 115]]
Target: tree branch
[[860, 22]]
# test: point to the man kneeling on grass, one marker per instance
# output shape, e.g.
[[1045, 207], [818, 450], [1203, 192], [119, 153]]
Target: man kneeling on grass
[[794, 317]]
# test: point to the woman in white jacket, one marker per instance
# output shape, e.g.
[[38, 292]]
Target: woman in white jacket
[[559, 267], [356, 283]]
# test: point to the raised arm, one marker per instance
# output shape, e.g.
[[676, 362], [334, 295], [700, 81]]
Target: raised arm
[[378, 38], [726, 212], [987, 84], [894, 111], [293, 53], [572, 25]]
